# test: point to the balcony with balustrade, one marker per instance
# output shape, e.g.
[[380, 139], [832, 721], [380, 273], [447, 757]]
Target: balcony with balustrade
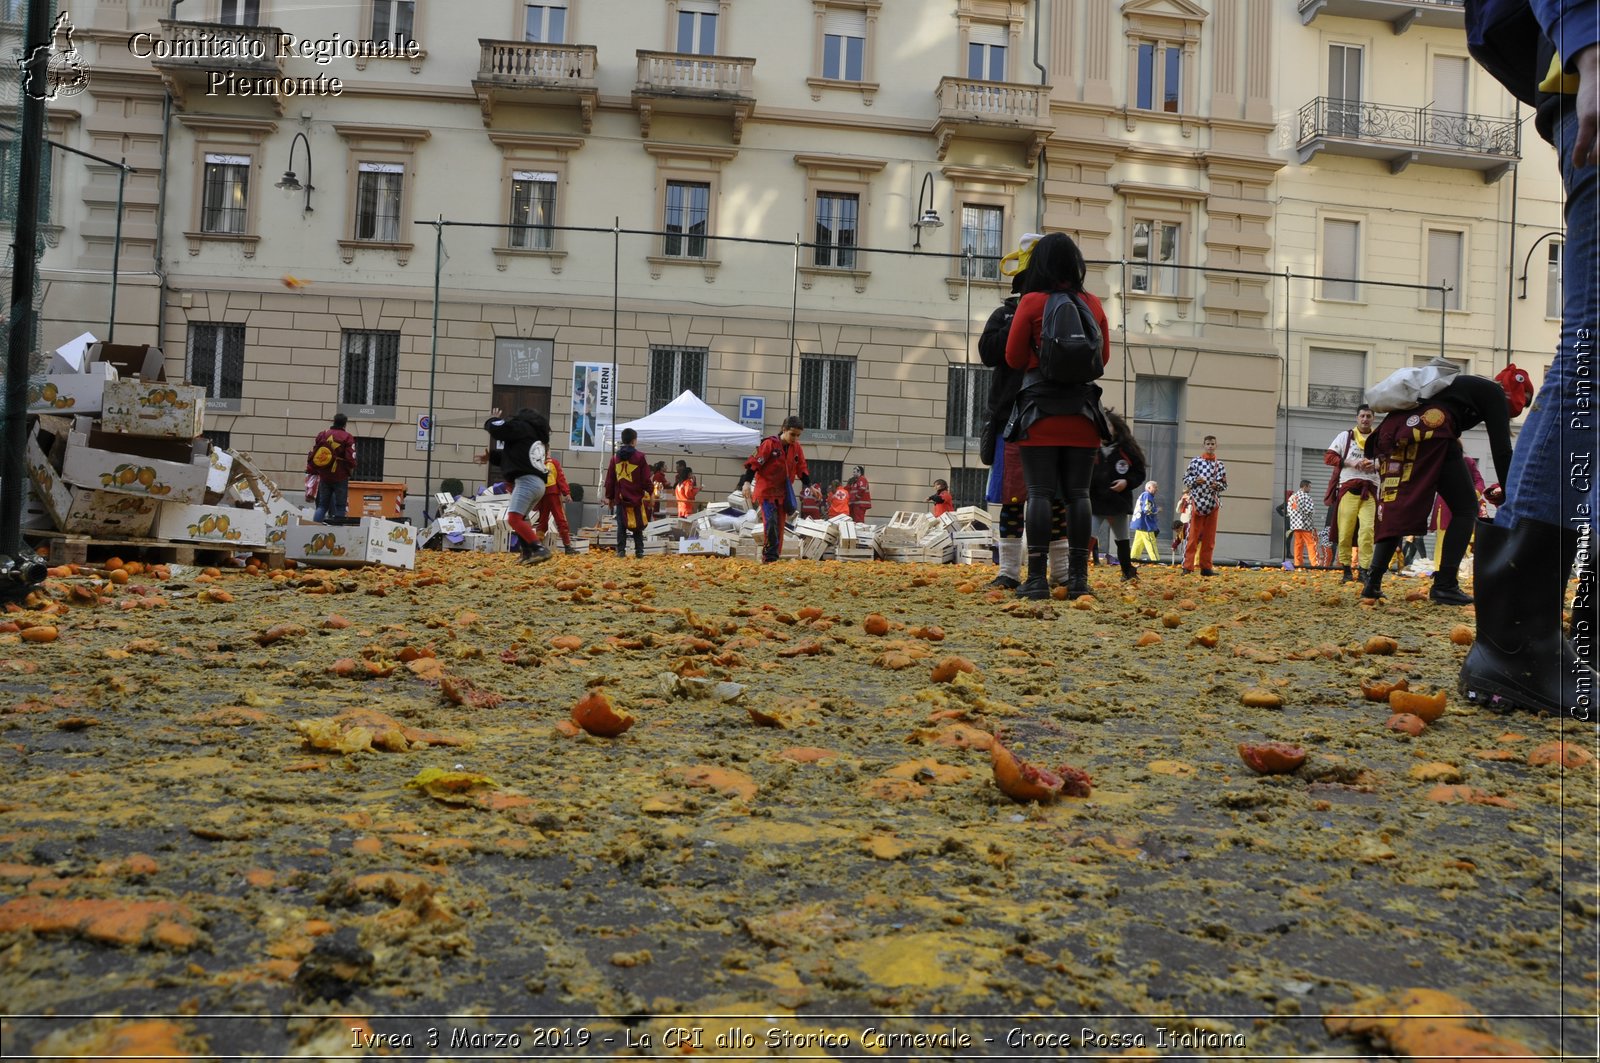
[[1401, 136], [681, 83], [993, 110], [1401, 15], [528, 74], [213, 60]]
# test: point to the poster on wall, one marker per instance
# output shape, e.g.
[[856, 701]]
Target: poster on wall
[[593, 401]]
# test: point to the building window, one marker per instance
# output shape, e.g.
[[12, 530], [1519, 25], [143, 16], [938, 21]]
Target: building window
[[240, 13], [968, 484], [216, 363], [220, 440], [533, 209], [369, 459], [379, 187], [1160, 77], [369, 372], [844, 44], [1154, 253], [826, 473], [966, 401], [226, 194], [1157, 413], [1341, 259], [393, 21], [986, 52], [697, 27], [982, 234], [545, 23], [1344, 90], [1444, 267], [688, 210], [837, 215], [674, 370], [1552, 281], [1336, 380], [827, 394]]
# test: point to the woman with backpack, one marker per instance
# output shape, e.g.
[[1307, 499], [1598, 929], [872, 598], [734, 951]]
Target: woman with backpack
[[1059, 426], [1118, 472]]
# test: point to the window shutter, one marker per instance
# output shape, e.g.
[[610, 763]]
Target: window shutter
[[699, 7], [841, 22], [990, 33], [1450, 84], [1339, 247], [1444, 265]]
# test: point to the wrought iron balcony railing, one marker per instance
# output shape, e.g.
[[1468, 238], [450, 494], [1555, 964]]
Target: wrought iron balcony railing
[[1413, 127]]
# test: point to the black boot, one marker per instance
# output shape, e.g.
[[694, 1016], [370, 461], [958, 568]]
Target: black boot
[[1447, 590], [1346, 577], [1078, 573], [1037, 585], [1372, 586], [1125, 559], [1372, 576], [1520, 658]]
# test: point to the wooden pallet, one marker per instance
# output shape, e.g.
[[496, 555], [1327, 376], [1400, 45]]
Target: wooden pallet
[[66, 548]]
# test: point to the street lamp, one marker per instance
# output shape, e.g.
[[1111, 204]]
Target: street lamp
[[925, 215], [290, 182]]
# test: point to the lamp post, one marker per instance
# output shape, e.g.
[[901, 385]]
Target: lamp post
[[925, 215], [290, 182]]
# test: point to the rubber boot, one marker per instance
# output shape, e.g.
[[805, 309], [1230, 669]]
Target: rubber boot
[[1372, 580], [1125, 559], [1078, 573], [1521, 659], [1037, 586], [1446, 590], [1010, 577], [1059, 566], [1346, 577], [1372, 586]]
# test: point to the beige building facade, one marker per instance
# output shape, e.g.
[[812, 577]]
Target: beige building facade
[[618, 201]]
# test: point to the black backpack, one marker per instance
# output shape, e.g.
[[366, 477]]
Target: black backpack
[[1069, 341]]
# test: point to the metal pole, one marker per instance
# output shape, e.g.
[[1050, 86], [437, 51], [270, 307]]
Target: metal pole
[[19, 567], [1444, 288], [1286, 473], [967, 388], [433, 360], [794, 314], [116, 251], [616, 321], [1511, 247]]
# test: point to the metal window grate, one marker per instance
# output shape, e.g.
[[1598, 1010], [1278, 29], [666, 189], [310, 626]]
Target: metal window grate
[[674, 370], [827, 393], [369, 458], [216, 359], [826, 473], [968, 485], [966, 400], [220, 439], [371, 370]]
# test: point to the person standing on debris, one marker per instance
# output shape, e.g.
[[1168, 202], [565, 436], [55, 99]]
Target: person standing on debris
[[627, 483], [1059, 427], [941, 500], [524, 451], [1301, 511], [1206, 478], [1418, 452], [685, 490], [332, 459], [768, 482], [1146, 524], [1119, 465], [1355, 499], [553, 505], [838, 500], [860, 495]]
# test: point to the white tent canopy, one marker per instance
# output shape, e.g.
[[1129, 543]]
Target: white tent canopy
[[688, 426]]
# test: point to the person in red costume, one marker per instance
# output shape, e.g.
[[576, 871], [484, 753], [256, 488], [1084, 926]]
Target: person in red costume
[[942, 502], [811, 502], [553, 506], [1059, 427], [768, 482], [860, 495], [627, 484]]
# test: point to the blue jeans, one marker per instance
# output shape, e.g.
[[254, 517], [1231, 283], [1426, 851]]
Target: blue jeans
[[333, 499], [1553, 479]]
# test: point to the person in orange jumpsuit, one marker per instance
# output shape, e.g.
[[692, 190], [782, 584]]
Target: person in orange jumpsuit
[[685, 490], [839, 500]]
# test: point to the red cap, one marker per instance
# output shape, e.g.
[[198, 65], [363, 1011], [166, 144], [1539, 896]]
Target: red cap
[[1518, 388]]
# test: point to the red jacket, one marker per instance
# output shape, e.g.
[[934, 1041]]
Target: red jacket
[[773, 465], [1022, 353], [343, 447], [811, 502], [627, 477], [860, 498], [942, 503], [556, 479]]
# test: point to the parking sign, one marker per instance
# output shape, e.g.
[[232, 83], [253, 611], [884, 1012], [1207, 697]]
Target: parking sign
[[753, 411]]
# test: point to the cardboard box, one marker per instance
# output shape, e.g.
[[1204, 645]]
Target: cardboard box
[[86, 511], [66, 394], [72, 356], [374, 541], [145, 408], [131, 359], [167, 470], [223, 525], [220, 476]]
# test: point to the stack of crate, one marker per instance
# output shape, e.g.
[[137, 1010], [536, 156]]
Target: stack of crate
[[857, 542], [974, 532], [918, 538]]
